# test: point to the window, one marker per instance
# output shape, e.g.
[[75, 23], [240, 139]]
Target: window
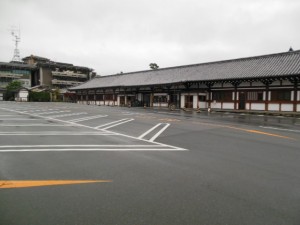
[[222, 96], [255, 96], [281, 95]]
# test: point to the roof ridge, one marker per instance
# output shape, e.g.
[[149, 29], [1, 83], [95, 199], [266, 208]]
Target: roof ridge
[[208, 63]]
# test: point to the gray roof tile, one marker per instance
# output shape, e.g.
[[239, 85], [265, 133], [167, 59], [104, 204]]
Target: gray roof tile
[[281, 64]]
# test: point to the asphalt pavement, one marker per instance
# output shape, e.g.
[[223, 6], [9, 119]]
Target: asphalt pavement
[[148, 166]]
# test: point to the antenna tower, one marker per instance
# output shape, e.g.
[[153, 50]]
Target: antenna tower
[[16, 33]]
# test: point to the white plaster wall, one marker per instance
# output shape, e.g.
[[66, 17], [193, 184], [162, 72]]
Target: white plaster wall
[[257, 106], [139, 97], [182, 101], [287, 107], [228, 105], [118, 100], [298, 108], [23, 94], [298, 96], [273, 107], [195, 101], [215, 105], [202, 105], [163, 104]]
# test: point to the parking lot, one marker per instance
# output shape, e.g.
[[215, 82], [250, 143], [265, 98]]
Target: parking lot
[[146, 166]]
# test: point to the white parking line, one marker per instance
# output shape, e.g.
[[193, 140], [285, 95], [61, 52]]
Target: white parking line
[[90, 149], [70, 114], [117, 124], [275, 128], [147, 132], [87, 118], [169, 147], [53, 133], [106, 124], [19, 119], [159, 133], [35, 125], [53, 112]]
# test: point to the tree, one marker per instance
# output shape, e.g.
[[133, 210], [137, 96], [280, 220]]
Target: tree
[[11, 89], [14, 85], [153, 66]]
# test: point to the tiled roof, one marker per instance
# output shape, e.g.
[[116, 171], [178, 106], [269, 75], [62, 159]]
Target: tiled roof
[[274, 65], [15, 65]]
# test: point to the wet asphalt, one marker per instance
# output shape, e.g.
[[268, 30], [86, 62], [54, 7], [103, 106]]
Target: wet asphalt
[[166, 167]]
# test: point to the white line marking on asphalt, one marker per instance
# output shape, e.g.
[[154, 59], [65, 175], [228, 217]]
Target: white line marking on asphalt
[[53, 133], [19, 119], [69, 114], [40, 146], [159, 133], [106, 124], [87, 118], [275, 128], [120, 134], [36, 125], [114, 125], [92, 149], [148, 131], [53, 112]]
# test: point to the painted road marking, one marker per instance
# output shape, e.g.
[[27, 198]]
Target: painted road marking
[[53, 112], [72, 148], [70, 114], [36, 125], [160, 132], [275, 128], [170, 147], [117, 124], [39, 183], [87, 118], [53, 133], [152, 129], [111, 124], [148, 131], [19, 119], [169, 120]]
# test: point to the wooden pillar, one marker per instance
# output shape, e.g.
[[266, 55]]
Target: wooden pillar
[[95, 97], [235, 97], [267, 98], [295, 96], [114, 92], [152, 97], [104, 97]]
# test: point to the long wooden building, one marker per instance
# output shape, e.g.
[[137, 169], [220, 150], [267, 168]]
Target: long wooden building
[[266, 83]]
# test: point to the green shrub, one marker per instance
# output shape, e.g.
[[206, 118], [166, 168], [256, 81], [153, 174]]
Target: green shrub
[[39, 96]]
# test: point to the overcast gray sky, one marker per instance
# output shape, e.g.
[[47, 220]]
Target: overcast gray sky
[[127, 35]]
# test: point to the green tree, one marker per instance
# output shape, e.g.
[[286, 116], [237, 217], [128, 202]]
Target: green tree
[[14, 85], [11, 89], [153, 66]]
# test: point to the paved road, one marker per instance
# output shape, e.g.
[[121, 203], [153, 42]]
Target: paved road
[[162, 167]]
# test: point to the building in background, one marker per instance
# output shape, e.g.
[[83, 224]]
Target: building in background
[[35, 71]]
